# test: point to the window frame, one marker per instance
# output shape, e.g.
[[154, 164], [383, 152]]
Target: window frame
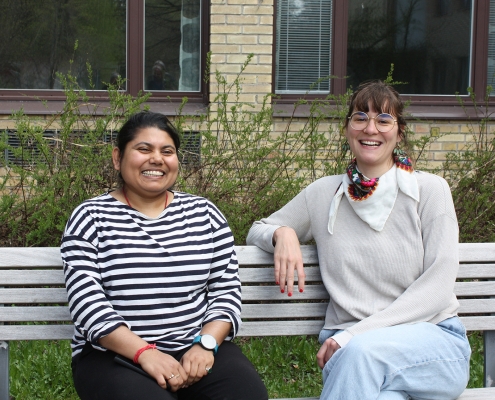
[[424, 106], [163, 101]]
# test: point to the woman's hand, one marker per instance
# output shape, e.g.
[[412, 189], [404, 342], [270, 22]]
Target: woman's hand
[[165, 369], [196, 362], [327, 350], [287, 258]]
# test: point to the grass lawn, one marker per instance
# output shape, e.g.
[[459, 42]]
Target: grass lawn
[[287, 365]]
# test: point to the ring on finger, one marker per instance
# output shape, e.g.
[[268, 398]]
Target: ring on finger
[[208, 370], [171, 376]]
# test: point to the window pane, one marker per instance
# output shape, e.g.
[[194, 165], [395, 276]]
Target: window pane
[[491, 48], [38, 39], [427, 41], [172, 45], [304, 29]]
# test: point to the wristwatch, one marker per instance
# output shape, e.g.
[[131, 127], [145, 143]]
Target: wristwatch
[[208, 342]]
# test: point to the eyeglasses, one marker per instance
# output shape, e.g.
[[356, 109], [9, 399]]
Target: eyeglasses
[[383, 122]]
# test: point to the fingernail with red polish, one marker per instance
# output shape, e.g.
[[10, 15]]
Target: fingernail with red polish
[[301, 290], [282, 291], [277, 282], [290, 294]]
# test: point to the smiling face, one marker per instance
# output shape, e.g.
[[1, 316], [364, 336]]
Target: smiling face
[[372, 148], [149, 163]]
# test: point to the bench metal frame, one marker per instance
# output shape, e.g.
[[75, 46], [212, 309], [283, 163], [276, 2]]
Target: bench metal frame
[[32, 280]]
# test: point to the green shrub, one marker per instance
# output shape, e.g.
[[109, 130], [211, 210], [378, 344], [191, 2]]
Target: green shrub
[[471, 175], [47, 177]]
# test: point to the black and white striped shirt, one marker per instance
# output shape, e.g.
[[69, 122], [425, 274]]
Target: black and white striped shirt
[[162, 277]]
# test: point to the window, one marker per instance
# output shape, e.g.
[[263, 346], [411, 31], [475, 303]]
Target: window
[[42, 37], [303, 46], [438, 48], [173, 44], [154, 45]]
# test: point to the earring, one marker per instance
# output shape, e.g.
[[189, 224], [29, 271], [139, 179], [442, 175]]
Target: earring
[[398, 152], [345, 147]]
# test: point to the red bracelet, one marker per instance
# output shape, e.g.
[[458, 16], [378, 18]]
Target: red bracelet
[[138, 353]]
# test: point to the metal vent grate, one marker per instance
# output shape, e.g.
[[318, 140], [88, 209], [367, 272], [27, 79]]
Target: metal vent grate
[[31, 148], [190, 153]]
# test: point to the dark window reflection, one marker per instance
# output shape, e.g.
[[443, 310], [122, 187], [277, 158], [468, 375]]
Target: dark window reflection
[[38, 40], [427, 41], [172, 45]]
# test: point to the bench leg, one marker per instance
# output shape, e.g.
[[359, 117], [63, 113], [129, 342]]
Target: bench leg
[[489, 356], [4, 370]]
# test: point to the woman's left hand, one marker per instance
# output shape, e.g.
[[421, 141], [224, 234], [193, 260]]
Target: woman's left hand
[[197, 362], [327, 350]]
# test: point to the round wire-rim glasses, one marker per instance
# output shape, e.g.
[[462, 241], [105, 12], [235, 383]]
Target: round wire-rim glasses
[[384, 122]]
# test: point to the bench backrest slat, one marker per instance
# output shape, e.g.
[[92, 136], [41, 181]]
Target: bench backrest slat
[[33, 296], [36, 277], [25, 314]]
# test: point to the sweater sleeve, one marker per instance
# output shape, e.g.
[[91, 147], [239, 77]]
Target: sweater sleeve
[[294, 215], [92, 313], [224, 287], [433, 291]]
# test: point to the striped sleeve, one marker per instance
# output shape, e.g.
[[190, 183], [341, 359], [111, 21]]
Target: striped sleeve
[[224, 286], [92, 313]]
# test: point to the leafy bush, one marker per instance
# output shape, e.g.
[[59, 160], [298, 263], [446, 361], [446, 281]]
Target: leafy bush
[[47, 177], [244, 168], [247, 169], [471, 175]]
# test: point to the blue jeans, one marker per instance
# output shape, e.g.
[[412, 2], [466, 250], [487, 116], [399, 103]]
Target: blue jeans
[[418, 361]]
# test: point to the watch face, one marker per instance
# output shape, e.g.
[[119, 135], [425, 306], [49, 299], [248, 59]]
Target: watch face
[[208, 341]]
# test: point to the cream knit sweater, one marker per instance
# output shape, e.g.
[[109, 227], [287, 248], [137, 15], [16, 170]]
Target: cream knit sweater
[[400, 275]]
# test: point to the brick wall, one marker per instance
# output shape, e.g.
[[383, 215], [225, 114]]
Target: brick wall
[[239, 28]]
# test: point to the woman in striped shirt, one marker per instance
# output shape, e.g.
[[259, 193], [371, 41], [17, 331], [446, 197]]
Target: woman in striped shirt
[[152, 279]]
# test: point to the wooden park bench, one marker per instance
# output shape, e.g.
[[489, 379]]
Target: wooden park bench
[[32, 280]]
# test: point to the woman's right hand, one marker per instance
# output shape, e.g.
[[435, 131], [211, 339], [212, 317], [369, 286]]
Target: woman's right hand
[[165, 369], [287, 258]]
